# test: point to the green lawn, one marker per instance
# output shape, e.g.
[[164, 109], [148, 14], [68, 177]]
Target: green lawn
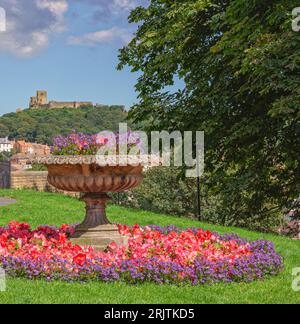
[[44, 208]]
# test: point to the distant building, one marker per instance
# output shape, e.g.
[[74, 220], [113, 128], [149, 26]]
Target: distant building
[[25, 148], [20, 162], [23, 151], [41, 101], [6, 145]]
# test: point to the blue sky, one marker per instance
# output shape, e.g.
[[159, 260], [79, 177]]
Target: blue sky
[[67, 47]]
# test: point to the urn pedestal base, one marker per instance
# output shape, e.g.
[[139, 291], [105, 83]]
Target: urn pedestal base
[[96, 230], [99, 237]]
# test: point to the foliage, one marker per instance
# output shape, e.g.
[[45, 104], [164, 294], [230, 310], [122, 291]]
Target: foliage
[[294, 210], [291, 229], [188, 256], [38, 167], [291, 226], [239, 62], [165, 190], [41, 125], [5, 156]]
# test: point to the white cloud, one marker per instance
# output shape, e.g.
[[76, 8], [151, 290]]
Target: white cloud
[[117, 11], [126, 4], [30, 25], [105, 8], [58, 8], [114, 4], [102, 36]]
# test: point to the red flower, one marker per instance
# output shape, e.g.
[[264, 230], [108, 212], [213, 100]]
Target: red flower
[[49, 243], [67, 229], [80, 259]]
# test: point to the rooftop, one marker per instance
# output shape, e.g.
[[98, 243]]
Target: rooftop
[[5, 141]]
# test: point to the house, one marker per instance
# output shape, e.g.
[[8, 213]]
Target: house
[[6, 145], [25, 148], [23, 151]]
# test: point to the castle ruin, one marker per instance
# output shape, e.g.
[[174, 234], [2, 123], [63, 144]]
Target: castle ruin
[[41, 101]]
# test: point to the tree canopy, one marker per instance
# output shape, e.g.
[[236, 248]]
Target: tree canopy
[[41, 125], [240, 64]]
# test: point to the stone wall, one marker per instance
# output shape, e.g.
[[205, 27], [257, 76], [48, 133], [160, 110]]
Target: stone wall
[[67, 104], [29, 180], [36, 180]]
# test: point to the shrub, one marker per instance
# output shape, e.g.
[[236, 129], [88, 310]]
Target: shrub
[[5, 156], [37, 167], [291, 229], [164, 190]]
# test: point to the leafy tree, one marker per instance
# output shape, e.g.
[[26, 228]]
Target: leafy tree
[[41, 125], [240, 64]]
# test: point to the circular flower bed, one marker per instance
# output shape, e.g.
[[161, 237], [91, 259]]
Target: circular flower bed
[[161, 255]]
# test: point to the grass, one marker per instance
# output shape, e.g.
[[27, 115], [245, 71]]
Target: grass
[[44, 208]]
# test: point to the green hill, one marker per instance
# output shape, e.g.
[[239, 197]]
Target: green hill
[[42, 125]]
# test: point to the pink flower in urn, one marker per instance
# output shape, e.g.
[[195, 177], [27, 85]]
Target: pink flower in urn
[[102, 140]]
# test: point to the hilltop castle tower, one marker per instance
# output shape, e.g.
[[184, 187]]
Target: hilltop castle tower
[[40, 100]]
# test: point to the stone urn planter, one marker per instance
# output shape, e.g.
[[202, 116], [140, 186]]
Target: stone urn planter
[[83, 174]]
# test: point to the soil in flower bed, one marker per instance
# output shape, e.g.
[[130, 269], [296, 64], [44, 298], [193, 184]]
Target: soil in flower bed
[[154, 254]]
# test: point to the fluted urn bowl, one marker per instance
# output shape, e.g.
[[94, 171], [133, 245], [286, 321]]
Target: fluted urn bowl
[[84, 174]]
